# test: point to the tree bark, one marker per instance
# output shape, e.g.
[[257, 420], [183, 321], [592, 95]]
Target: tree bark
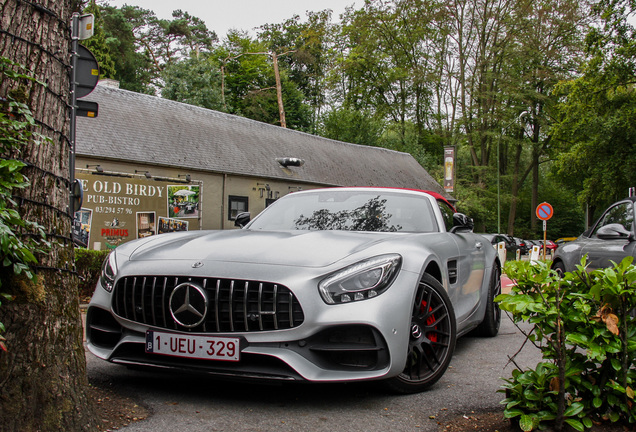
[[514, 192], [43, 379], [535, 188]]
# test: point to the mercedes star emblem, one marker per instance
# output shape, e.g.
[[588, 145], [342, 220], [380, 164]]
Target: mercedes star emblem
[[188, 305]]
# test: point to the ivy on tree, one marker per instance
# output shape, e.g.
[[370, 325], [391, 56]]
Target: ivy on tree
[[20, 239]]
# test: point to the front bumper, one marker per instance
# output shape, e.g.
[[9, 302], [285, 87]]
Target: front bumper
[[347, 342], [343, 350]]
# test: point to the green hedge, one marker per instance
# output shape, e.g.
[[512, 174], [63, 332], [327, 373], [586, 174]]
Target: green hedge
[[585, 325], [88, 264]]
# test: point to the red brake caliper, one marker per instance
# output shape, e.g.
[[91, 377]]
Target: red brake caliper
[[429, 321]]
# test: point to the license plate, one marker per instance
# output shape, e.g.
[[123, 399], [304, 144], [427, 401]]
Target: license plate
[[193, 346]]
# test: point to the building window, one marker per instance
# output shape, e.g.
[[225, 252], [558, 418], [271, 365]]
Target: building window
[[237, 204]]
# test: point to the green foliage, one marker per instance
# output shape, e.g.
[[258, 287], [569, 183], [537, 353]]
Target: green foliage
[[568, 220], [263, 106], [20, 239], [88, 264], [390, 65], [595, 132], [250, 83], [97, 43], [308, 59], [585, 328], [142, 45], [351, 126], [194, 81], [133, 67], [597, 137]]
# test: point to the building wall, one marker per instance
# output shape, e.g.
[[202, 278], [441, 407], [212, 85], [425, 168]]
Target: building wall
[[120, 201]]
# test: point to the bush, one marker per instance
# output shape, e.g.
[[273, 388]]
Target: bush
[[585, 328], [88, 264]]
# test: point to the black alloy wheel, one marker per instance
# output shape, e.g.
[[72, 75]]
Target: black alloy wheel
[[432, 339]]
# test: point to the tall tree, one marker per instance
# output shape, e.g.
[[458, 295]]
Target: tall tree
[[133, 67], [547, 50], [389, 63], [168, 41], [43, 372], [595, 133], [143, 45], [250, 84], [307, 45], [502, 58], [472, 104]]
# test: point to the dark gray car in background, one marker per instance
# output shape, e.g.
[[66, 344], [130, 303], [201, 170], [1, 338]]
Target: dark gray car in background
[[610, 239]]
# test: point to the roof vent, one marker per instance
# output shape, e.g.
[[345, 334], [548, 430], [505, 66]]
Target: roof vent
[[290, 161]]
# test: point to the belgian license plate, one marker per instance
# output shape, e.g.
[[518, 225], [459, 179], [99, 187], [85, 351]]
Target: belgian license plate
[[193, 346]]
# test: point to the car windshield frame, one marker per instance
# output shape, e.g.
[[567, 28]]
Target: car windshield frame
[[349, 210], [619, 212]]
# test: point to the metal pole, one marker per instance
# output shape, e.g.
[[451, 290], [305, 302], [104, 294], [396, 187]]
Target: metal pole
[[545, 237], [74, 57]]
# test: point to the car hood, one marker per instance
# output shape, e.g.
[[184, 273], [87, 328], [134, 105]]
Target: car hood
[[291, 248]]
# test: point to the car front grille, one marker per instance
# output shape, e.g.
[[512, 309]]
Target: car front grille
[[232, 305]]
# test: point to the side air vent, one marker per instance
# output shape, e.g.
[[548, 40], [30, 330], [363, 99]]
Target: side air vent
[[452, 271]]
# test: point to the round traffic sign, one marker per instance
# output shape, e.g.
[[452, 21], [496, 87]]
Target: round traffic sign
[[87, 72], [544, 211]]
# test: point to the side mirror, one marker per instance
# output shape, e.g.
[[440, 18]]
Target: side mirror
[[614, 231], [461, 222], [242, 219]]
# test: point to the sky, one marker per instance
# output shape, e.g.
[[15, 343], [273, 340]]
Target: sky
[[222, 15]]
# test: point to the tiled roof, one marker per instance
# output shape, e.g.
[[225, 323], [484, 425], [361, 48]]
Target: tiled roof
[[135, 127]]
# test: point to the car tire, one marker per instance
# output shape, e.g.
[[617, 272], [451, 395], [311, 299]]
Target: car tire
[[489, 327], [432, 337], [559, 268]]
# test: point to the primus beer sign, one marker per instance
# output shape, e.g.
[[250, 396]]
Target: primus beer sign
[[117, 209]]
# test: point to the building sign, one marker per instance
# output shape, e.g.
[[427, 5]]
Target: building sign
[[449, 169], [117, 209]]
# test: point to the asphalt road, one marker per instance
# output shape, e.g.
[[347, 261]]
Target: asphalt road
[[193, 403]]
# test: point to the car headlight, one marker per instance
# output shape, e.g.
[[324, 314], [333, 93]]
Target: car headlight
[[361, 281], [109, 271]]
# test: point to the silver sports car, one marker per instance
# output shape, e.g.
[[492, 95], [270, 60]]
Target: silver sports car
[[325, 285]]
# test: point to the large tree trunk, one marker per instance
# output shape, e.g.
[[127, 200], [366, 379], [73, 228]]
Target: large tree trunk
[[514, 192], [43, 373], [535, 188]]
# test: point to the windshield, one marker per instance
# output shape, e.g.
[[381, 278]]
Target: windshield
[[349, 211]]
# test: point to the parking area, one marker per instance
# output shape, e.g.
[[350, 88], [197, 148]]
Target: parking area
[[200, 403]]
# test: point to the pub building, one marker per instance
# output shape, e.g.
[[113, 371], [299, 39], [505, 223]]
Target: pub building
[[150, 165]]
